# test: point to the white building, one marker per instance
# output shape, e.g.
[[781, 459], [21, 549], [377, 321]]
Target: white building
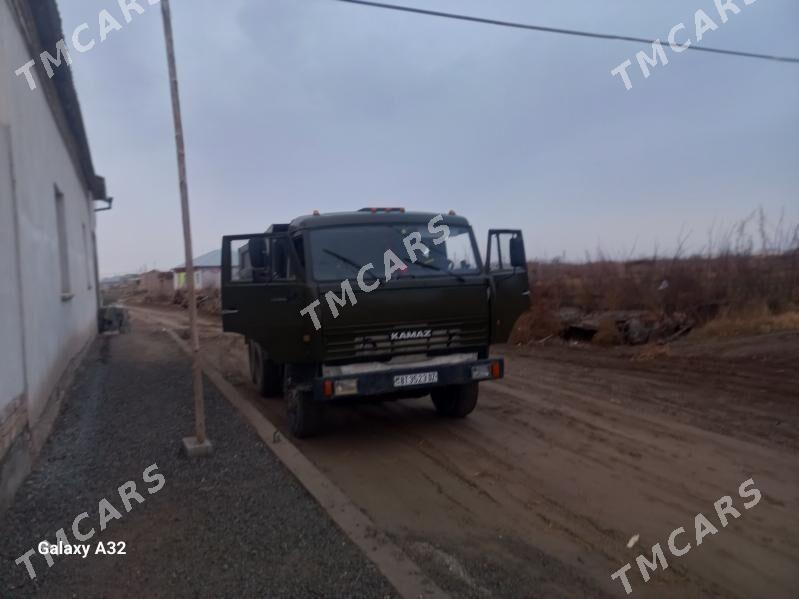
[[48, 269], [207, 272]]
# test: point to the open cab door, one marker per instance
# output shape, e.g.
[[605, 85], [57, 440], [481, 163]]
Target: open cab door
[[263, 292], [506, 264]]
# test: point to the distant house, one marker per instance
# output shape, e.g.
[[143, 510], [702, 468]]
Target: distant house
[[115, 281], [207, 272], [158, 284], [49, 294]]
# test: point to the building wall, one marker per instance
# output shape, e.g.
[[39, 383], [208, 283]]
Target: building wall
[[12, 367], [41, 330], [205, 277], [209, 278], [158, 284]]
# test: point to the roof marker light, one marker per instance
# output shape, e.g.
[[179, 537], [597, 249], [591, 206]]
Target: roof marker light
[[376, 209]]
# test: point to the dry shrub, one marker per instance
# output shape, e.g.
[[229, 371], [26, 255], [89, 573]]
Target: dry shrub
[[696, 285], [537, 323], [210, 302], [752, 320], [729, 288], [607, 334], [179, 298], [752, 262]]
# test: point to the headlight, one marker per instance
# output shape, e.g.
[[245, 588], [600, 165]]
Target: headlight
[[346, 387], [481, 371]]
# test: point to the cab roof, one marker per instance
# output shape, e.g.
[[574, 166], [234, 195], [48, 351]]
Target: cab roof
[[317, 221]]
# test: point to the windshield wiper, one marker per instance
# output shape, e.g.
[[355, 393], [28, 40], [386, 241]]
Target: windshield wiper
[[348, 261], [439, 269], [430, 266]]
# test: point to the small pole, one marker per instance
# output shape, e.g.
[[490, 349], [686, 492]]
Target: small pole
[[200, 444]]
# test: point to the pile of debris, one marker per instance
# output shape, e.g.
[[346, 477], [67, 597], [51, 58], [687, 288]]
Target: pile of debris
[[632, 327], [609, 327], [113, 319]]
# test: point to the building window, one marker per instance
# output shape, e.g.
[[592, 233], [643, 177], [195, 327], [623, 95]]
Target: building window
[[63, 249], [87, 257]]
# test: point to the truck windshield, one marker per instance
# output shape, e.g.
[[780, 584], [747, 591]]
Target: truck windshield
[[338, 253]]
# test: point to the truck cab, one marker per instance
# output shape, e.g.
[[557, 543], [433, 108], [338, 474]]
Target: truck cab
[[372, 305]]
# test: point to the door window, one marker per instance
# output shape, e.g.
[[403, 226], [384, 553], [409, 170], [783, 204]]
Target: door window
[[280, 252], [499, 250], [260, 259], [250, 260]]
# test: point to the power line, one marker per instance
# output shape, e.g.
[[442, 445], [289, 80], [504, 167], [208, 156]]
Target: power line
[[516, 25]]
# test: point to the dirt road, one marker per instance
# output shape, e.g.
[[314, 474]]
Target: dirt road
[[577, 451]]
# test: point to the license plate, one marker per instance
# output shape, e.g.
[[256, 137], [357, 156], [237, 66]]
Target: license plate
[[419, 378]]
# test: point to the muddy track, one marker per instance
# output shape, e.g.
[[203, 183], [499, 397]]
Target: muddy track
[[539, 490]]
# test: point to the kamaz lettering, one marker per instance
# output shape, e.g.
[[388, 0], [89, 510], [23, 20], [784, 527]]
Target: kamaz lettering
[[403, 335]]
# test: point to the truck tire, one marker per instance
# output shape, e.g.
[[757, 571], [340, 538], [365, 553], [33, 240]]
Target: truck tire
[[252, 359], [456, 401], [267, 376], [304, 414]]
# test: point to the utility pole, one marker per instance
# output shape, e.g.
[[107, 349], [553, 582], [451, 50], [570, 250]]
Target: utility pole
[[198, 445]]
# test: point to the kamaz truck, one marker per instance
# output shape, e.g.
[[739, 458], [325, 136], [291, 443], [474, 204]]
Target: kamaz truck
[[371, 305]]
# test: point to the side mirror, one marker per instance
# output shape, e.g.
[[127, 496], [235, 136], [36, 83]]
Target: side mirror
[[517, 257]]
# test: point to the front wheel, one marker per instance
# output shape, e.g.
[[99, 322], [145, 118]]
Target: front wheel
[[267, 376], [304, 414], [456, 401]]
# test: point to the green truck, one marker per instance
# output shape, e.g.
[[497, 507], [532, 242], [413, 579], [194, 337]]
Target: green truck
[[375, 304]]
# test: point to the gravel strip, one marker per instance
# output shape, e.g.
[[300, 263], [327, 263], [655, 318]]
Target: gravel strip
[[234, 524]]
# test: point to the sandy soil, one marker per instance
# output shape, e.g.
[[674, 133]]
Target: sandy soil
[[573, 454]]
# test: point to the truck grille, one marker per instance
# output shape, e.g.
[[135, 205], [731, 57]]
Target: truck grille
[[369, 341]]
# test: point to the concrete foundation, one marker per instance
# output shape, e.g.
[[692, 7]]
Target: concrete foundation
[[193, 449]]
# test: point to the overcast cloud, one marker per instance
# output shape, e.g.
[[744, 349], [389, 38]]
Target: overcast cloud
[[296, 105]]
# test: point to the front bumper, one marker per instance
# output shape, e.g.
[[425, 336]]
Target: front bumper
[[403, 380]]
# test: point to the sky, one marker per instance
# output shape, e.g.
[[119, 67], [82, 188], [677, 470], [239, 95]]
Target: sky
[[292, 106]]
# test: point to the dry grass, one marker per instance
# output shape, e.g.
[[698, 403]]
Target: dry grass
[[698, 285], [752, 263], [651, 352], [750, 322], [540, 322]]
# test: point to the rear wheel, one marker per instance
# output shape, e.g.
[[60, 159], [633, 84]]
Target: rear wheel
[[456, 401], [267, 376]]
